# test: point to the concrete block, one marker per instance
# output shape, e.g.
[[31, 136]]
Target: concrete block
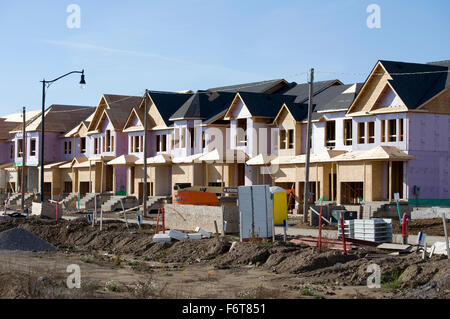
[[195, 236], [203, 217], [178, 235], [203, 232], [160, 238]]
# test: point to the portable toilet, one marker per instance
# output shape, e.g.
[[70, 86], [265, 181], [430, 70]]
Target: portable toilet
[[280, 212]]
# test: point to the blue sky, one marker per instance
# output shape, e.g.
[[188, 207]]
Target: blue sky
[[127, 46]]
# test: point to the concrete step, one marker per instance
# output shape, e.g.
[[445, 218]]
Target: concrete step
[[114, 203], [88, 201], [156, 202], [70, 201]]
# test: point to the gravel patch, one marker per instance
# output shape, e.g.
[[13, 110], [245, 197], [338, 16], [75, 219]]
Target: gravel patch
[[23, 240]]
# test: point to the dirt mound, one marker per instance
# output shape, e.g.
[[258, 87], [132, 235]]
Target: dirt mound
[[309, 260], [431, 227], [193, 250], [257, 254], [23, 240], [437, 288]]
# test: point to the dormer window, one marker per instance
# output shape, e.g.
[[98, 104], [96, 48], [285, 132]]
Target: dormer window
[[330, 133], [241, 136], [371, 132], [392, 130], [282, 139], [82, 145], [361, 132], [286, 139], [108, 140]]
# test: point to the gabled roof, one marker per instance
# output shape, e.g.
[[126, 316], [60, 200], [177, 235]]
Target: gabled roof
[[73, 132], [167, 103], [204, 105], [58, 118], [416, 83], [301, 90], [330, 98], [270, 86], [262, 105], [342, 101], [139, 114], [119, 107]]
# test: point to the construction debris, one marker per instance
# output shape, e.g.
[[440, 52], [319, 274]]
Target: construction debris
[[397, 247], [162, 238], [203, 232], [195, 236], [438, 248], [178, 235]]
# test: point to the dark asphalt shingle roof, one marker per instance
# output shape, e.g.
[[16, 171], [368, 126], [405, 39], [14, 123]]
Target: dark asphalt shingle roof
[[255, 87], [331, 98], [168, 103], [204, 105], [341, 100], [301, 90], [266, 105], [419, 82]]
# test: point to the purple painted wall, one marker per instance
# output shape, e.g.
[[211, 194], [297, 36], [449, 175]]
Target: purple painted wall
[[5, 152], [429, 141]]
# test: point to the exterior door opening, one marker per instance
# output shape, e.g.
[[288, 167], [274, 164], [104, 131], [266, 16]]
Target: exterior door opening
[[351, 192]]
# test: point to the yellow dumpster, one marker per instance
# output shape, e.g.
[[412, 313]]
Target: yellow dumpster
[[280, 212]]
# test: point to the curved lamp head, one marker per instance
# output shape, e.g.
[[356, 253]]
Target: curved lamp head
[[82, 82]]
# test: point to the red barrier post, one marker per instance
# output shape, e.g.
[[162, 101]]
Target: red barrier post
[[405, 221], [343, 234]]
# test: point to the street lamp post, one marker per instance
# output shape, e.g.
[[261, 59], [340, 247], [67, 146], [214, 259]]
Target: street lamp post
[[45, 85]]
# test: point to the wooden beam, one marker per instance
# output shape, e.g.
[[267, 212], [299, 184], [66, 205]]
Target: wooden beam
[[223, 181], [332, 182], [317, 182], [407, 182], [114, 179], [390, 181], [101, 179], [364, 182], [90, 177], [338, 186]]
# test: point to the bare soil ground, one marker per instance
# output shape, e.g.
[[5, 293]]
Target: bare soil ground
[[431, 227], [124, 263]]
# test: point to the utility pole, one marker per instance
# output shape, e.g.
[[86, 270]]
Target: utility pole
[[144, 190], [24, 159], [44, 83], [308, 149]]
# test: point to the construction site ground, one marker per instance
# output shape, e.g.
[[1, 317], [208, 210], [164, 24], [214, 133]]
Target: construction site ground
[[121, 262]]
